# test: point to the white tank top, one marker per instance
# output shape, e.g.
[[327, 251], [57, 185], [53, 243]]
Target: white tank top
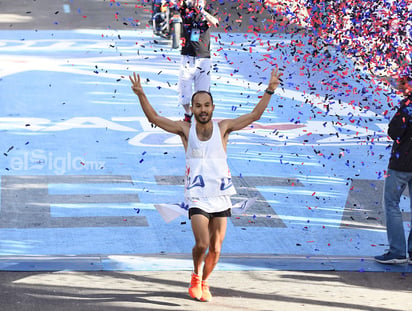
[[207, 172]]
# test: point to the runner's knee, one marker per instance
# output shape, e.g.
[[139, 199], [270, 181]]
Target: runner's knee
[[201, 246]]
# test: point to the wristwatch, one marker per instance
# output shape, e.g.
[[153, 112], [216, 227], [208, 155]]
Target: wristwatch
[[269, 92]]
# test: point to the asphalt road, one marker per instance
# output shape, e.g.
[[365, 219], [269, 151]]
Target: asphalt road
[[242, 290]]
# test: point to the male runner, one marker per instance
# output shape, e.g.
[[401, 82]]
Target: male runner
[[208, 184]]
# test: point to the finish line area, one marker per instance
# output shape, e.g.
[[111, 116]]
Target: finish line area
[[82, 168]]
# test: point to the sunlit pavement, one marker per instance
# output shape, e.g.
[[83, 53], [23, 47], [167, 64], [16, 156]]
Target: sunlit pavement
[[232, 290]]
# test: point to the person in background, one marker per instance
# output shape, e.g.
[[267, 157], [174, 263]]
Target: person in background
[[195, 63], [399, 175]]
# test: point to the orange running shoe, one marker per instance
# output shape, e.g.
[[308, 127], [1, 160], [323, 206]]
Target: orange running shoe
[[206, 295], [195, 289]]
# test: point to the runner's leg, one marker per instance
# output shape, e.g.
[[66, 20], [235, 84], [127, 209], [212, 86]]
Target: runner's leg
[[200, 228], [217, 232], [202, 77], [185, 83]]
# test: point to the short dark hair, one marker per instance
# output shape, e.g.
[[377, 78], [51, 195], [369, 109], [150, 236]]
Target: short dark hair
[[201, 92]]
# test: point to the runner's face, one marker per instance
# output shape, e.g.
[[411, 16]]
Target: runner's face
[[202, 108]]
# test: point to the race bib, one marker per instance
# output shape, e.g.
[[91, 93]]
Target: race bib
[[195, 35]]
